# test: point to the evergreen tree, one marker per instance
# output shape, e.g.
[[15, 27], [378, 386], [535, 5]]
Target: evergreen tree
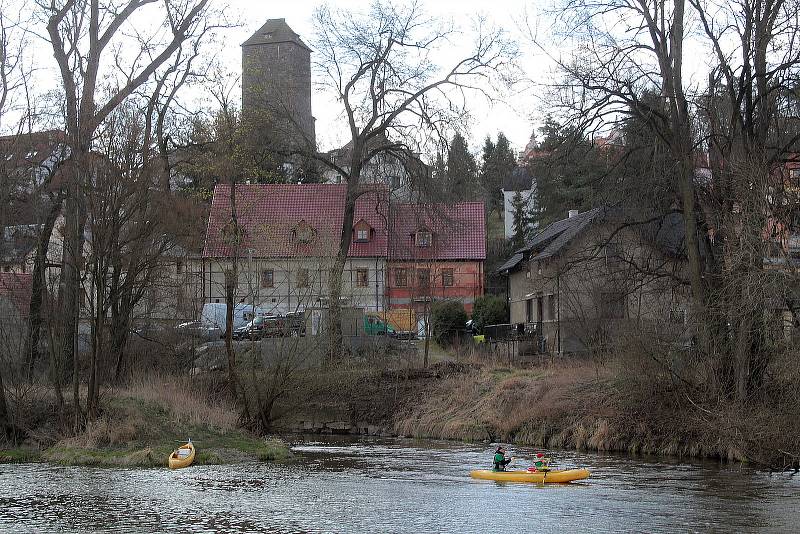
[[571, 173], [499, 163], [521, 220], [462, 170]]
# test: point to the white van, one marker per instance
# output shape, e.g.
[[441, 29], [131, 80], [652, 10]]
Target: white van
[[214, 315]]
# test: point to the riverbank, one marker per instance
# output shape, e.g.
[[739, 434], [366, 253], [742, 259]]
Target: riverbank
[[141, 424], [571, 405]]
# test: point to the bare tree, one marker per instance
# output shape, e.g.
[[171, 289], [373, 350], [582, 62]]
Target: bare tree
[[380, 66], [736, 121], [14, 76], [87, 35]]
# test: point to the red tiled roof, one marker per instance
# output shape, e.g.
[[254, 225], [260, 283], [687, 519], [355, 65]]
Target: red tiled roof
[[459, 231], [269, 213], [16, 287]]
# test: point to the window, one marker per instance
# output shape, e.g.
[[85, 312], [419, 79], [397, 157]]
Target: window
[[613, 254], [401, 277], [423, 277], [551, 307], [447, 277], [677, 316], [794, 174], [179, 267], [267, 278], [6, 268], [362, 277], [302, 278], [424, 238], [362, 231], [612, 305], [529, 311], [230, 281], [303, 232]]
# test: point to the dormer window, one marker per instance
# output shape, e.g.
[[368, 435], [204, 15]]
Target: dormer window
[[362, 231], [424, 238], [303, 233]]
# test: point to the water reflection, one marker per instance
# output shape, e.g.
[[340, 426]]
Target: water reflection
[[396, 486]]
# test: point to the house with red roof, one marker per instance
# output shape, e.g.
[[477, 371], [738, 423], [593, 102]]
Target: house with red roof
[[15, 297], [402, 255], [436, 252], [290, 237]]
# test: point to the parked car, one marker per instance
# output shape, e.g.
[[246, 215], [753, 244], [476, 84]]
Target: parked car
[[197, 330], [291, 324], [374, 326]]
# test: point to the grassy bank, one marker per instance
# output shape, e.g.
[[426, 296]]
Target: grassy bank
[[609, 406], [141, 424], [591, 407]]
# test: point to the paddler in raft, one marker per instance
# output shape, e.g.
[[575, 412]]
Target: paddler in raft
[[500, 460], [541, 464]]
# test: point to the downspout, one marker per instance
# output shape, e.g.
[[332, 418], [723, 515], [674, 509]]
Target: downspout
[[558, 309]]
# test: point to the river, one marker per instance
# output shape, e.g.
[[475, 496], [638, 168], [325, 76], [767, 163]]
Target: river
[[343, 485]]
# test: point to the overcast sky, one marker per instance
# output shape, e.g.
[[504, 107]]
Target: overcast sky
[[515, 117]]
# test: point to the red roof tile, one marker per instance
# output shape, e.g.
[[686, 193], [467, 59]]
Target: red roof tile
[[268, 215], [459, 231], [16, 287]]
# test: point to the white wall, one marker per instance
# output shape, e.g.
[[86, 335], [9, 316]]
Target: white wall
[[508, 208], [285, 295]]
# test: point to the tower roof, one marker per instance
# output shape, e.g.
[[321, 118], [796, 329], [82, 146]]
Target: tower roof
[[273, 32]]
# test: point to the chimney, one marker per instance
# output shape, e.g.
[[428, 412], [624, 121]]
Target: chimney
[[573, 213]]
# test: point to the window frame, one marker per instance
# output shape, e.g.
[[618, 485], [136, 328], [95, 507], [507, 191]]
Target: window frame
[[426, 278], [448, 275], [267, 278], [401, 281], [362, 277]]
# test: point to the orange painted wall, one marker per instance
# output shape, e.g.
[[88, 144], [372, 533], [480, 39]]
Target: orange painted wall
[[467, 284]]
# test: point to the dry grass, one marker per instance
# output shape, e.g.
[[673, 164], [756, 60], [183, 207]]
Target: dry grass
[[186, 403]]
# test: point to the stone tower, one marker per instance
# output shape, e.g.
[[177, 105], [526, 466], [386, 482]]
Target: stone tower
[[276, 84]]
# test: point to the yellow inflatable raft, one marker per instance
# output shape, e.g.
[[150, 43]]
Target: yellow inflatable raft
[[539, 477], [183, 456]]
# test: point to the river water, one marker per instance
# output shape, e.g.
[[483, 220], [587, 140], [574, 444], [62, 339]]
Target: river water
[[397, 486]]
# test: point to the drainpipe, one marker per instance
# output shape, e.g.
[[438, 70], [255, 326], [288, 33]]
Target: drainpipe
[[558, 310]]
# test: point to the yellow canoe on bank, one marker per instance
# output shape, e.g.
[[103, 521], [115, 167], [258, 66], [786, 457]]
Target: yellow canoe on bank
[[183, 456], [538, 477]]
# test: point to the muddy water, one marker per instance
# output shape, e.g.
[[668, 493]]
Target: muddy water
[[397, 486]]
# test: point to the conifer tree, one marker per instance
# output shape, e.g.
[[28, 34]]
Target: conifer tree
[[462, 170]]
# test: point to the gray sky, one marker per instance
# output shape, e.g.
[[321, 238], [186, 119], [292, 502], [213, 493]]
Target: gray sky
[[517, 115], [513, 116]]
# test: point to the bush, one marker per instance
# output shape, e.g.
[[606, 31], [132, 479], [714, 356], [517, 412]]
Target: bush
[[448, 319], [488, 310]]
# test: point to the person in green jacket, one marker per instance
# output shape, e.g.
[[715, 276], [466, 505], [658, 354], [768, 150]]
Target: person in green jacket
[[541, 464], [500, 460]]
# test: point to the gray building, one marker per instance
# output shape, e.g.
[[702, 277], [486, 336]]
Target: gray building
[[276, 84]]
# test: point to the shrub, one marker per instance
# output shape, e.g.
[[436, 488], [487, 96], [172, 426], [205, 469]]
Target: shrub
[[448, 319], [488, 310]]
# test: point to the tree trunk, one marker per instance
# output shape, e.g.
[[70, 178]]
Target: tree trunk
[[335, 337], [69, 290], [38, 290], [5, 414]]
